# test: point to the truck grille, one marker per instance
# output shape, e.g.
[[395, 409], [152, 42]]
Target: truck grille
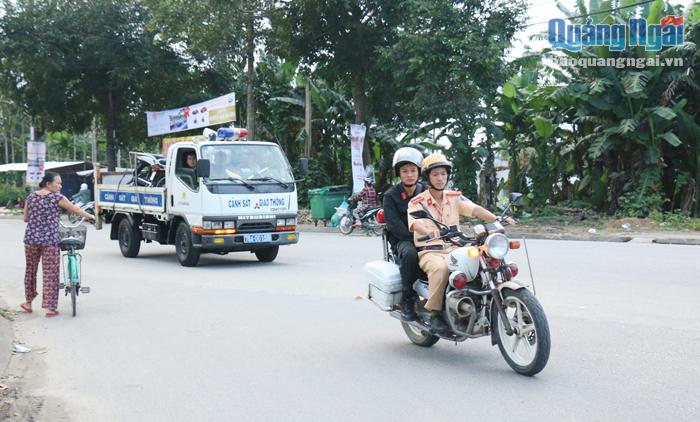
[[255, 227]]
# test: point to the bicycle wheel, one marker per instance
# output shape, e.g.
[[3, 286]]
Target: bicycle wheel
[[74, 281], [73, 297]]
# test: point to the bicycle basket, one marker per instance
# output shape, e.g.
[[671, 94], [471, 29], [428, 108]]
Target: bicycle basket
[[73, 236]]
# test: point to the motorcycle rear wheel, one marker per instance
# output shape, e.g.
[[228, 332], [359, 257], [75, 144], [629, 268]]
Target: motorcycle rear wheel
[[373, 226], [418, 337], [527, 350], [345, 225]]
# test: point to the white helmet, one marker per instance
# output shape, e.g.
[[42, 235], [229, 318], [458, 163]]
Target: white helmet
[[406, 155], [84, 186]]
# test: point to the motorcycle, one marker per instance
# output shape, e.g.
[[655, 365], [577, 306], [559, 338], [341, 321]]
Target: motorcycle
[[88, 207], [483, 297], [368, 220]]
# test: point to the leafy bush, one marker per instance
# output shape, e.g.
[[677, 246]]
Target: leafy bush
[[10, 193]]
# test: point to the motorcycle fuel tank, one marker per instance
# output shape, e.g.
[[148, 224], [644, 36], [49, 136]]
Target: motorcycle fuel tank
[[459, 260]]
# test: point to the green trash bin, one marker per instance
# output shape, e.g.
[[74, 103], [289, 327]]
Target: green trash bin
[[324, 201]]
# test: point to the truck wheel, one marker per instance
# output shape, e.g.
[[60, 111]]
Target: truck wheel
[[187, 254], [268, 254], [129, 239]]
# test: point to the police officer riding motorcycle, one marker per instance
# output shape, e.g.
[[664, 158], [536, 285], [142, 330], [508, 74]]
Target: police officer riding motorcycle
[[472, 290]]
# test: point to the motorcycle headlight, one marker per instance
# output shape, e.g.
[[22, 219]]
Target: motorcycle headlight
[[497, 245]]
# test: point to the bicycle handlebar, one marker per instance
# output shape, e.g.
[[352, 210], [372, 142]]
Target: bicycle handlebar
[[72, 226]]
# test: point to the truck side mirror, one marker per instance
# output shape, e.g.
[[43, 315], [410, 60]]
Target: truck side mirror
[[304, 167], [203, 167]]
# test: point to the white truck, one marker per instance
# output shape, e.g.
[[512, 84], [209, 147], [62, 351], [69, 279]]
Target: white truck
[[241, 196]]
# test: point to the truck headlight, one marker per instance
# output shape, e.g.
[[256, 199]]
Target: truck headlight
[[229, 224], [206, 225], [291, 221], [217, 225], [280, 222]]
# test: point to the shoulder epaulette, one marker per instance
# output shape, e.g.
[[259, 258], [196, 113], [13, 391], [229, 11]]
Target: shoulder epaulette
[[453, 193], [416, 200]]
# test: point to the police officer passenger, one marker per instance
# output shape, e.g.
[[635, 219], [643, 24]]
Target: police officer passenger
[[446, 207], [406, 163]]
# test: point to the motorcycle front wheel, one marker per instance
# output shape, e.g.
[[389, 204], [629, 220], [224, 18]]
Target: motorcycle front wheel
[[345, 225], [527, 349], [419, 337]]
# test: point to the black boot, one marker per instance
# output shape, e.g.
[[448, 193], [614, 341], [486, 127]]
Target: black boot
[[437, 324], [408, 307]]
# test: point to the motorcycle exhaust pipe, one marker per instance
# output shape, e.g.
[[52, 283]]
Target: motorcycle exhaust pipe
[[465, 308]]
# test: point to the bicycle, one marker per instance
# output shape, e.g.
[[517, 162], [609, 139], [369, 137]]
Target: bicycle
[[72, 240]]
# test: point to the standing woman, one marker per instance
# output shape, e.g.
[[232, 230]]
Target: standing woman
[[42, 241]]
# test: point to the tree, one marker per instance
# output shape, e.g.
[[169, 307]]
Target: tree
[[618, 139], [447, 63], [221, 37], [75, 60], [340, 41]]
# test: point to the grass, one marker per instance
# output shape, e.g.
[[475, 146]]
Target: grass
[[675, 221], [583, 217], [5, 313]]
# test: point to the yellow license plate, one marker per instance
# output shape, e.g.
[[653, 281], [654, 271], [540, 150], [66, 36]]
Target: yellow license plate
[[219, 240]]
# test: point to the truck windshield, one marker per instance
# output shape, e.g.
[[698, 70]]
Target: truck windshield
[[249, 163]]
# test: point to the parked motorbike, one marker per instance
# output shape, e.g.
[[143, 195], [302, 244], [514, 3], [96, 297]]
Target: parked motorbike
[[484, 297], [368, 220], [88, 207], [149, 169]]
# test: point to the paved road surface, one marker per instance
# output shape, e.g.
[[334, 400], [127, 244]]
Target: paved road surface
[[234, 339]]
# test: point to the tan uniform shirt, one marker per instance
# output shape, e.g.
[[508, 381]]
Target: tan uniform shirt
[[447, 211]]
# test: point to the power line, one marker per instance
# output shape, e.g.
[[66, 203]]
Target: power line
[[533, 5], [641, 3]]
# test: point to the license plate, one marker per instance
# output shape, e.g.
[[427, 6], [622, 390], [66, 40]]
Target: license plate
[[257, 238]]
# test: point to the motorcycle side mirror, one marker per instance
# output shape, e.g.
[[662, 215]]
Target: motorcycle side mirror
[[203, 167], [502, 207], [515, 197], [419, 214]]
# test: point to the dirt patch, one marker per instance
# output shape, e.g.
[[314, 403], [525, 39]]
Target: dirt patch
[[637, 224], [304, 216], [21, 385]]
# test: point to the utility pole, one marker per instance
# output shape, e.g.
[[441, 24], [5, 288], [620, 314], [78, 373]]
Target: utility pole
[[250, 59], [93, 143], [307, 105]]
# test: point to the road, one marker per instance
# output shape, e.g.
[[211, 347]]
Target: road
[[234, 339]]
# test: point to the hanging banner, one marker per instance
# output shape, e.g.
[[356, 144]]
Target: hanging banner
[[357, 142], [212, 112], [36, 155]]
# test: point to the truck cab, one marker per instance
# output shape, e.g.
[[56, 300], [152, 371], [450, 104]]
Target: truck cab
[[231, 196]]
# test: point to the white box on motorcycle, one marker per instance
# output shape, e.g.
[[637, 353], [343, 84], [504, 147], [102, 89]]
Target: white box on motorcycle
[[384, 284]]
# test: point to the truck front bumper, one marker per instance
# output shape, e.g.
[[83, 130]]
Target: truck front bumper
[[236, 242]]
